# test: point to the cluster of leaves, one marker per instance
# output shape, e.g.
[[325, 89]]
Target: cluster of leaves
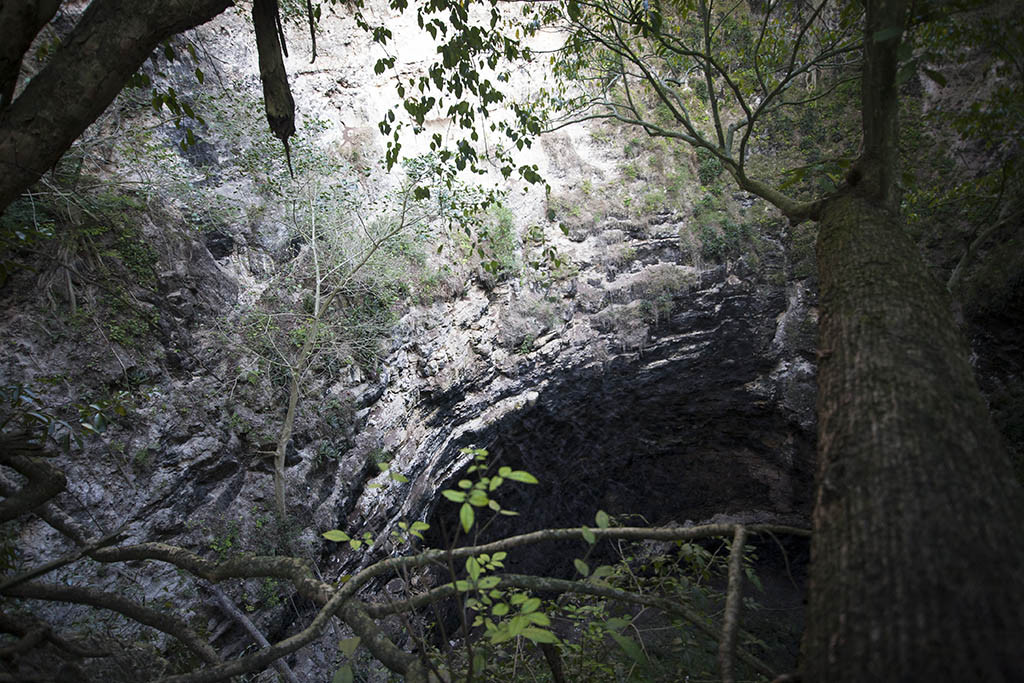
[[499, 616], [709, 167], [476, 494], [24, 411], [457, 87], [24, 227], [165, 96]]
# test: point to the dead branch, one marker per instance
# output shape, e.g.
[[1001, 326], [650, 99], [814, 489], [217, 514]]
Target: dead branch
[[165, 623], [245, 622], [44, 480], [733, 602]]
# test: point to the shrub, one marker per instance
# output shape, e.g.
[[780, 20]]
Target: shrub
[[709, 167], [503, 243]]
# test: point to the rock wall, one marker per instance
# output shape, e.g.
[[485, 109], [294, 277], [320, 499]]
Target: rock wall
[[637, 379], [709, 415]]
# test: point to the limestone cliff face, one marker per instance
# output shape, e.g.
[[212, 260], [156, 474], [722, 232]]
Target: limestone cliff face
[[703, 412], [639, 379]]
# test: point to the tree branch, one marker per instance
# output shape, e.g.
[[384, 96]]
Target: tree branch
[[22, 21], [44, 480], [25, 624], [537, 583], [166, 623], [246, 623], [293, 569], [110, 42], [733, 603]]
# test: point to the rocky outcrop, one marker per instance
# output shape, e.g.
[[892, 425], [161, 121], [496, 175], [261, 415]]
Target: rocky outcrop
[[696, 403], [640, 385], [636, 378]]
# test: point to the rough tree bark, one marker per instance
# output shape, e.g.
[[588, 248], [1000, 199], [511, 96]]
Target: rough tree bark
[[110, 42], [22, 21], [916, 572]]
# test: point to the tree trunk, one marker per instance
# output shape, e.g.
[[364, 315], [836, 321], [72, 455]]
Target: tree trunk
[[916, 571], [22, 21], [283, 440], [110, 42]]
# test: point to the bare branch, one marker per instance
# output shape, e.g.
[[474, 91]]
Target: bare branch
[[733, 602], [166, 623], [44, 480], [246, 623], [293, 569], [674, 607], [25, 624], [60, 562]]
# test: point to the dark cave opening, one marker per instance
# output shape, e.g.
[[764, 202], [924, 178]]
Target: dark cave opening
[[701, 426], [655, 441], [652, 441]]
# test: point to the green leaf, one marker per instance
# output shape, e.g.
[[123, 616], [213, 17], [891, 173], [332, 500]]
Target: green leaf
[[581, 566], [629, 646], [887, 34], [521, 476], [530, 605], [348, 645], [935, 76], [343, 674], [539, 635], [539, 618], [473, 568], [905, 72], [602, 519], [454, 496], [466, 517], [588, 536], [395, 476], [336, 535], [479, 662], [488, 582], [616, 623], [753, 578]]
